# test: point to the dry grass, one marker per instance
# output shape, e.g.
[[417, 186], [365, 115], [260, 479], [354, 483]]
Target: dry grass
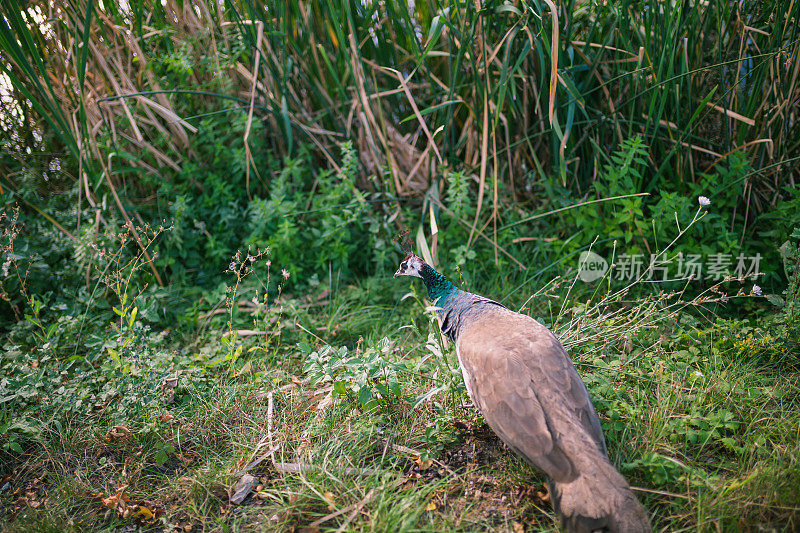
[[419, 89]]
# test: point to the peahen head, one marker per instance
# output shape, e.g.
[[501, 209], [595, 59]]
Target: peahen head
[[438, 286], [410, 266]]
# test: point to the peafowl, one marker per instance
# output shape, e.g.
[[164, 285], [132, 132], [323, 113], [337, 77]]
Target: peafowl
[[521, 379]]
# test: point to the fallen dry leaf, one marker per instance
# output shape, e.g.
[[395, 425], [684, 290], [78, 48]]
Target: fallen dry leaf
[[144, 513], [517, 527], [424, 464], [329, 498], [119, 432], [431, 506], [242, 488], [118, 501], [168, 389]]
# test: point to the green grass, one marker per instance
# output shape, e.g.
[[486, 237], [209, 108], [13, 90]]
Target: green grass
[[525, 98], [504, 116], [692, 415]]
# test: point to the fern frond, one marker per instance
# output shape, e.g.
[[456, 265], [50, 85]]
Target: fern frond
[[626, 163], [457, 192]]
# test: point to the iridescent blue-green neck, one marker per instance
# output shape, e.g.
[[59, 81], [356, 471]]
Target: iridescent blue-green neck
[[438, 286]]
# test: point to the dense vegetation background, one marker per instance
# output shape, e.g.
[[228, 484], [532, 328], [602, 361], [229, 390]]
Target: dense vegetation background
[[201, 202]]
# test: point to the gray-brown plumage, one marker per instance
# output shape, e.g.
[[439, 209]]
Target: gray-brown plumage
[[523, 382]]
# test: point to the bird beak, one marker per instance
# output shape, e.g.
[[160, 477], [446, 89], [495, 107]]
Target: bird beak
[[398, 273]]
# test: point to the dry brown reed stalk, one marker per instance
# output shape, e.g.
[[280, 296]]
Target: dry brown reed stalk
[[309, 78], [248, 153], [142, 246], [114, 72]]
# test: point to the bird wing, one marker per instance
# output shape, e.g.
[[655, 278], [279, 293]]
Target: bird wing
[[528, 391]]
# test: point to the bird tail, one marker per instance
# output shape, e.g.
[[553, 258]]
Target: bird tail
[[599, 500]]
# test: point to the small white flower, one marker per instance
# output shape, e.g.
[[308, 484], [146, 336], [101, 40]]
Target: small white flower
[[703, 201], [269, 263], [757, 290], [698, 374], [285, 273], [232, 266]]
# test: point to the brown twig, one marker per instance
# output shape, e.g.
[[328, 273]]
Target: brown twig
[[343, 510], [357, 509]]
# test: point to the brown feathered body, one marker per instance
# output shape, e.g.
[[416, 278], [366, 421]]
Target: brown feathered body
[[523, 382]]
